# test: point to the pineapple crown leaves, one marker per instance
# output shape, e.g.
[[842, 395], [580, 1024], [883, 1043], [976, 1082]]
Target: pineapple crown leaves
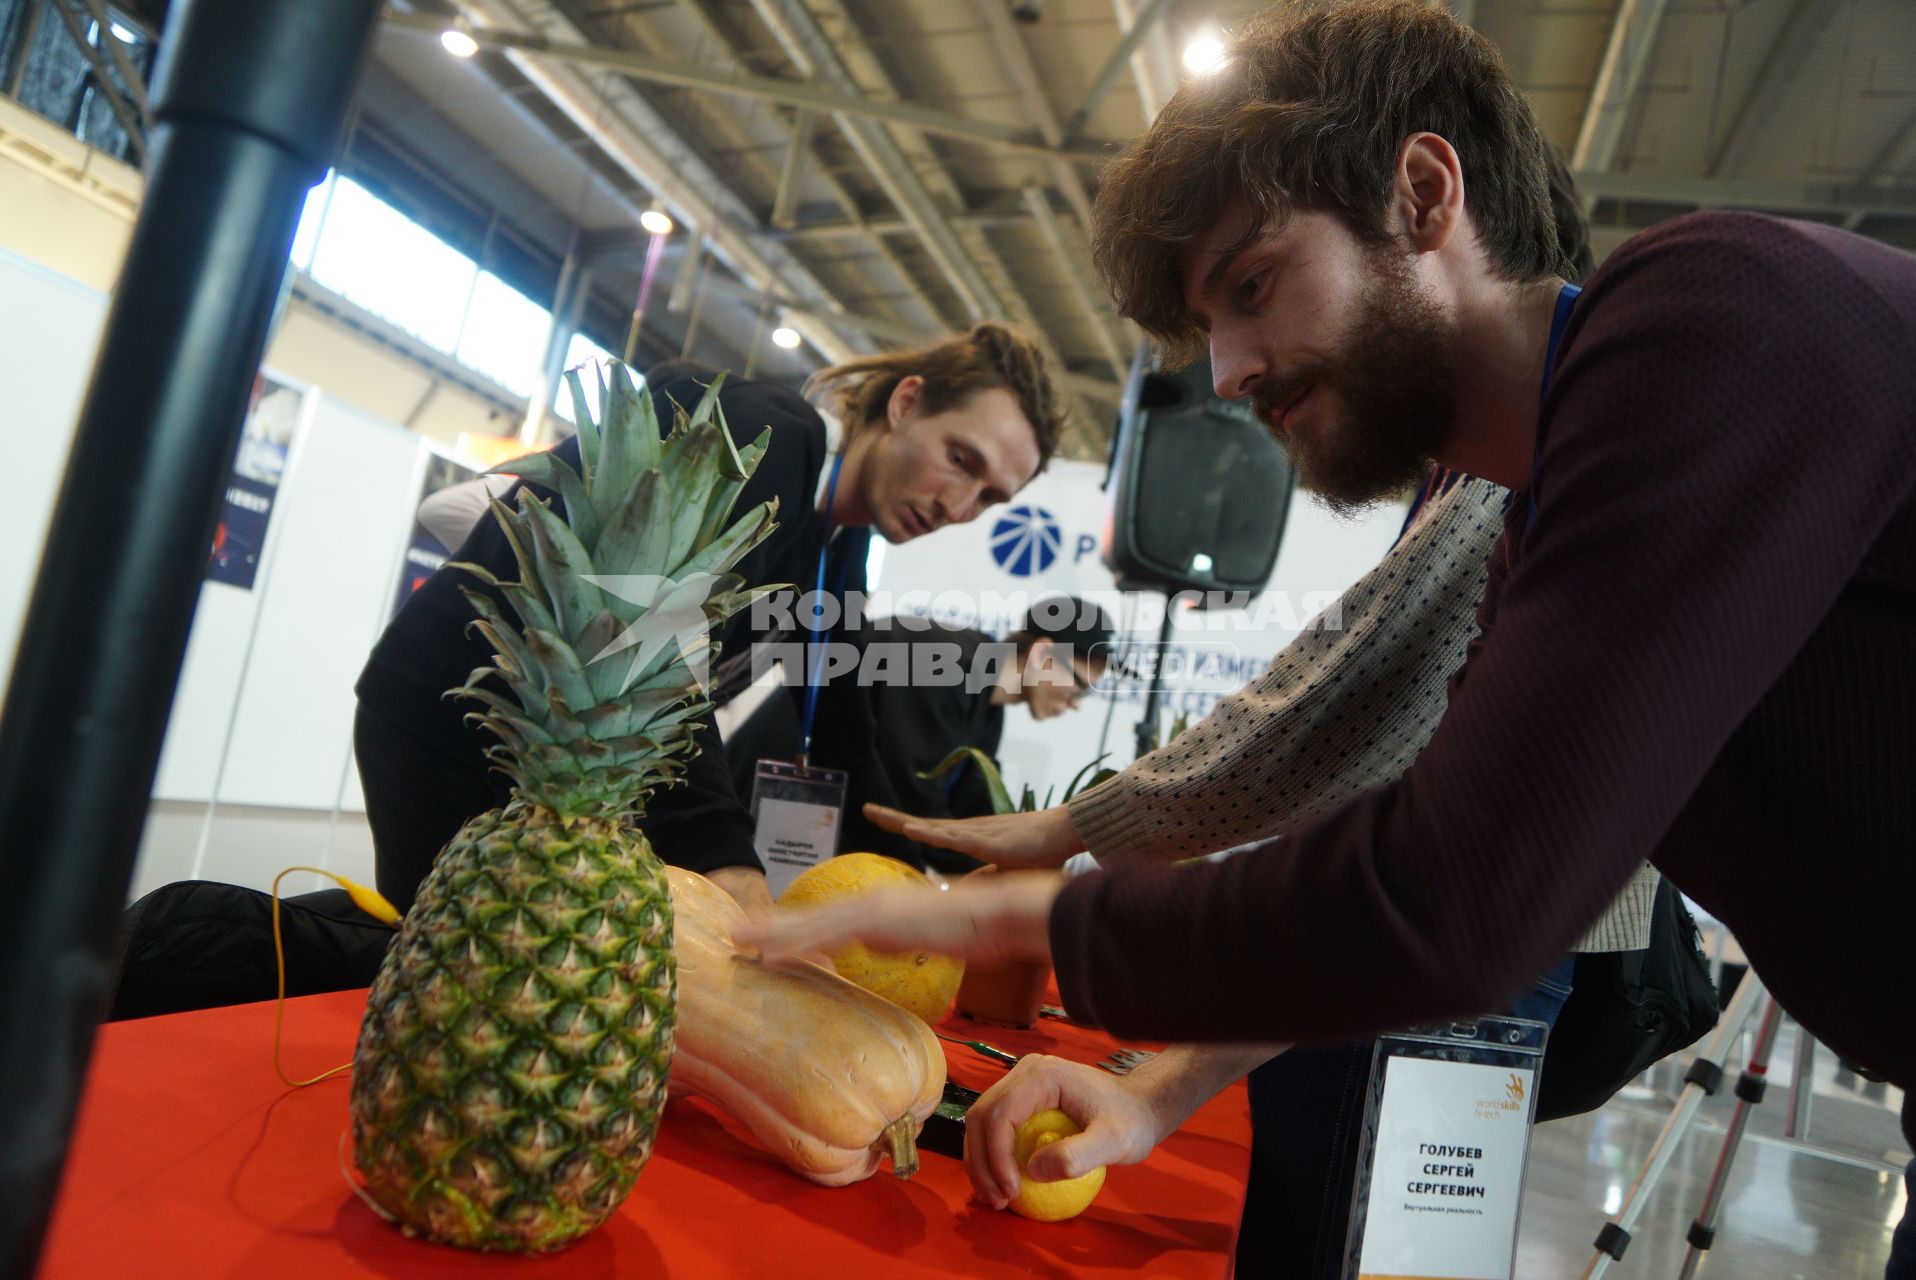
[[615, 600]]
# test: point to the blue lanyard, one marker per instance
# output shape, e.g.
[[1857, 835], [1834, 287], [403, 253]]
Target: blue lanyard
[[814, 653], [1566, 300]]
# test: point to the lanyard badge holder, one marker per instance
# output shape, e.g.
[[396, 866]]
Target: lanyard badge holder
[[1440, 1166], [797, 807]]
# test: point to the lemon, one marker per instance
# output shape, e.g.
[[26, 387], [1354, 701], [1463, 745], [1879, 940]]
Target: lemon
[[1051, 1201], [921, 982]]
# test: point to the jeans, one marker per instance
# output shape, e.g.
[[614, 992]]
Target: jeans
[[1307, 1106]]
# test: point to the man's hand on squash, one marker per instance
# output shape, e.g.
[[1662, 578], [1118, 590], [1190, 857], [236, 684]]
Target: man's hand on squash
[[980, 919], [749, 889]]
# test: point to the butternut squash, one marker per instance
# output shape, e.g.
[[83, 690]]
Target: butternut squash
[[829, 1077]]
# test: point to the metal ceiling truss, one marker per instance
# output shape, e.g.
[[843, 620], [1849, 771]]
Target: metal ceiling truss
[[1869, 198], [1013, 55], [131, 115], [642, 143], [800, 36], [955, 245], [1154, 68], [793, 93], [1632, 46], [716, 38], [964, 259], [1140, 27], [541, 42], [1897, 154], [1787, 54]]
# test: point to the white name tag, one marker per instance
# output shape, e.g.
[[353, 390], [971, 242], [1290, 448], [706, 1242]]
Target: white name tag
[[1447, 1131], [795, 816]]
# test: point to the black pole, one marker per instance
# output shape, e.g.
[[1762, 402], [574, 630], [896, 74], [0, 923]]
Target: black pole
[[247, 104], [1148, 722]]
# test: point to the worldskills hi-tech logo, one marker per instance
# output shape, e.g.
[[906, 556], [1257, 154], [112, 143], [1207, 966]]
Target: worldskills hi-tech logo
[[1026, 540]]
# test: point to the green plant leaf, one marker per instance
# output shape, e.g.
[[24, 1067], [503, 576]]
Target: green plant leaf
[[1078, 777], [994, 781]]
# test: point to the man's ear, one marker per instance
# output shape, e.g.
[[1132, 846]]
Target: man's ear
[[1427, 192], [904, 398]]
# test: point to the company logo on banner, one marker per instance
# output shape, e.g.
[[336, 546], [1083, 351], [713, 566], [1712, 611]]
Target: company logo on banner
[[1025, 540]]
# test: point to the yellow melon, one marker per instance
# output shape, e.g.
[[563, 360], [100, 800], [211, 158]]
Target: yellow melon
[[922, 982]]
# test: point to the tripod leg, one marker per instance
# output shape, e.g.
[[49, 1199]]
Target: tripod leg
[[1749, 1091], [1797, 1123], [1703, 1078]]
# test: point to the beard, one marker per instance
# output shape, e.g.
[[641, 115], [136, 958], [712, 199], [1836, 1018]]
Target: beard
[[1394, 373]]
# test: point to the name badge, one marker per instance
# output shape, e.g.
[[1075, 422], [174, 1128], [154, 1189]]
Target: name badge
[[1446, 1134], [796, 810]]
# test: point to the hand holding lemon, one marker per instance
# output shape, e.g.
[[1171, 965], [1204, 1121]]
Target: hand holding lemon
[[1051, 1201], [1038, 1141]]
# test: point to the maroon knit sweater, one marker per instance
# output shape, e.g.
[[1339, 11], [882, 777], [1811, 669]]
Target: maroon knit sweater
[[1704, 653]]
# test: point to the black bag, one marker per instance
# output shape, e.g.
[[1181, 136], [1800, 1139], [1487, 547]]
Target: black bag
[[196, 944], [1627, 1010]]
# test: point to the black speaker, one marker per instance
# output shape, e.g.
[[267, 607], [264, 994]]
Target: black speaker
[[1200, 490]]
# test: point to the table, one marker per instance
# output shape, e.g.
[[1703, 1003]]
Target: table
[[192, 1159]]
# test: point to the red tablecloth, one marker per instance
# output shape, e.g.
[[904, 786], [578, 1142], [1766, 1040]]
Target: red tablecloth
[[192, 1159]]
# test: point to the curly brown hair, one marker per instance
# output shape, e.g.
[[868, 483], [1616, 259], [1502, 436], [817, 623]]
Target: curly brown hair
[[989, 354], [1310, 112]]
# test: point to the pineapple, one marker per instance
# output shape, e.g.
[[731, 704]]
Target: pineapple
[[512, 1062]]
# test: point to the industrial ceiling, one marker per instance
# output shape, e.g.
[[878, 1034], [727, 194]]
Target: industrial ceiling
[[873, 172]]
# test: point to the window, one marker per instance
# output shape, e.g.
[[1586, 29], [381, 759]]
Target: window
[[56, 77], [372, 254], [375, 255], [504, 335], [306, 239]]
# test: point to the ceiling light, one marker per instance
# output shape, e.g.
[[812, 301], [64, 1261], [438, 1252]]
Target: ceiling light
[[458, 43], [656, 221], [785, 336], [1204, 55], [123, 34]]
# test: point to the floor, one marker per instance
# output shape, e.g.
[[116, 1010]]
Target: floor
[[1791, 1213]]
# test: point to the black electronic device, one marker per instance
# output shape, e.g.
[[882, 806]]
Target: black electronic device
[[944, 1130], [1200, 490]]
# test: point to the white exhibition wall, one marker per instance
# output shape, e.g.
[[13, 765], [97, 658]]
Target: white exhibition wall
[[263, 714], [49, 329]]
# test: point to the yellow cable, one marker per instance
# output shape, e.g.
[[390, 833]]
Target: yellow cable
[[367, 900]]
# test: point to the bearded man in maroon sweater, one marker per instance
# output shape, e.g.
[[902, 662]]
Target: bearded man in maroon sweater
[[1699, 634]]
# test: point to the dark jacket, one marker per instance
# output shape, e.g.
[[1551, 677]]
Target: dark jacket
[[703, 823], [920, 724]]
